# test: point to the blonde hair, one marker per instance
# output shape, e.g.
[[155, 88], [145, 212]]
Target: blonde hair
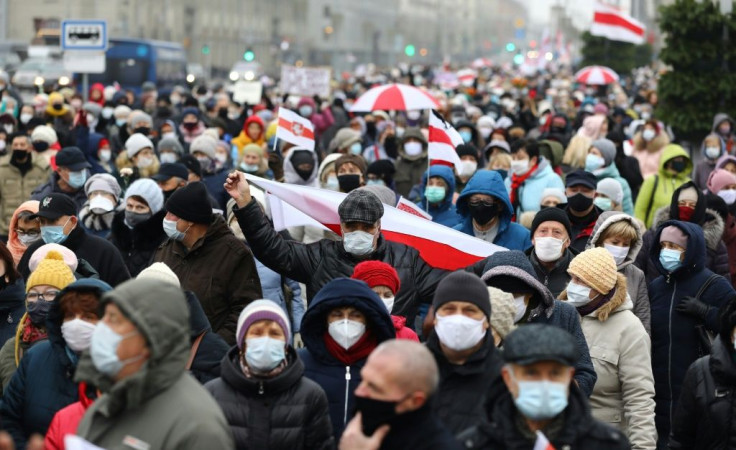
[[622, 229], [577, 151], [502, 159]]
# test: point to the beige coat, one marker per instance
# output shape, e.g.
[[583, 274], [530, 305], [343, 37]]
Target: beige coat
[[620, 348], [16, 188]]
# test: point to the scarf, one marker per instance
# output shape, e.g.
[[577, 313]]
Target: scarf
[[32, 333], [516, 182], [594, 305], [360, 350], [253, 374], [96, 222]]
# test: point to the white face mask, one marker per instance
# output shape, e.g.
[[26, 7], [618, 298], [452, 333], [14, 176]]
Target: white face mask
[[413, 115], [101, 205], [459, 332], [712, 152], [358, 243], [485, 131], [168, 157], [578, 295], [728, 195], [619, 253], [648, 134], [25, 117], [346, 332], [389, 302], [413, 148], [220, 157], [105, 155], [520, 303], [548, 249], [170, 134], [77, 334], [107, 112], [467, 168], [28, 240], [144, 161], [520, 167]]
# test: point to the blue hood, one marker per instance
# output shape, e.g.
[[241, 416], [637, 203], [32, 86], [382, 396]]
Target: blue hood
[[487, 182], [343, 292], [694, 254], [446, 174]]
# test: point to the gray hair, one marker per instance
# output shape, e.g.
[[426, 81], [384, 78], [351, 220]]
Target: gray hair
[[418, 368]]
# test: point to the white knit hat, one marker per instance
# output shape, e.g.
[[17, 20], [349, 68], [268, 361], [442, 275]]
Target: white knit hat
[[44, 133], [147, 189], [121, 112], [159, 272], [611, 188], [136, 143], [558, 193], [205, 144]]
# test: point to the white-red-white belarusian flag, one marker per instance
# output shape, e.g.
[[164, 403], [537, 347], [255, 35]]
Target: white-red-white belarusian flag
[[295, 129], [440, 246], [443, 139], [542, 442], [405, 205], [616, 25]]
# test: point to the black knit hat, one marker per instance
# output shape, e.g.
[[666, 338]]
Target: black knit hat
[[191, 203], [467, 150], [552, 215], [462, 286]]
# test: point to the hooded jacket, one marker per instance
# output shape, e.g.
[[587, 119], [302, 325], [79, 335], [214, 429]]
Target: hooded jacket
[[339, 381], [510, 234], [675, 341], [444, 212], [137, 245], [159, 406], [728, 141], [706, 165], [15, 246], [409, 170], [292, 177], [67, 420], [636, 283], [666, 185], [530, 192], [243, 139], [287, 411], [16, 187]]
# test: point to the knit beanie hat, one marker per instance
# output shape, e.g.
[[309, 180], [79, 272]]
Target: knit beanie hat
[[149, 191], [51, 271], [597, 268], [611, 188], [159, 272], [558, 193], [720, 178], [377, 273], [551, 215], [204, 144], [169, 143], [467, 150], [191, 203], [70, 259], [139, 118], [504, 310], [261, 310], [136, 143], [44, 133], [462, 286], [675, 235], [344, 138], [356, 160], [103, 182], [607, 149]]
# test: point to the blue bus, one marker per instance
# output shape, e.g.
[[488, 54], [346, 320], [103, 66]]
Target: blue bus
[[131, 62]]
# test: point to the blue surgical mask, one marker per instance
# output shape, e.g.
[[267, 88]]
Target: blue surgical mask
[[332, 183], [669, 258], [358, 243], [305, 111], [249, 168], [593, 162], [540, 400], [172, 232], [434, 194], [77, 179], [104, 350], [603, 203], [356, 149], [121, 122], [265, 353], [375, 183], [54, 234], [466, 135]]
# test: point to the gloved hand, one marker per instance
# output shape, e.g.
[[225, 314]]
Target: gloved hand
[[298, 343], [276, 164], [693, 307]]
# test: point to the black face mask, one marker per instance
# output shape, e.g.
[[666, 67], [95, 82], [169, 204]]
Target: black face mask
[[189, 125], [370, 129], [483, 213], [579, 202], [167, 194], [20, 155], [374, 413], [38, 311], [41, 146], [348, 182], [305, 174], [678, 166], [133, 218], [57, 106], [145, 131]]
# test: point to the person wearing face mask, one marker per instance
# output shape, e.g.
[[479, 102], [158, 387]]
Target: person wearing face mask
[[266, 399], [412, 161], [723, 184], [581, 210], [609, 195], [191, 126], [486, 211], [169, 150], [254, 162], [346, 141], [351, 172], [134, 352], [318, 112], [60, 225], [137, 230], [468, 132], [531, 174], [204, 148], [485, 126], [300, 168], [172, 176], [384, 281], [343, 324], [57, 111], [621, 235], [437, 189], [539, 395], [685, 300], [656, 191], [600, 162], [140, 122], [384, 148], [72, 172], [208, 259], [649, 147], [103, 194], [623, 396], [723, 126], [394, 398], [118, 128], [558, 130], [327, 175], [22, 173], [469, 162], [551, 252], [139, 156], [381, 173], [712, 149]]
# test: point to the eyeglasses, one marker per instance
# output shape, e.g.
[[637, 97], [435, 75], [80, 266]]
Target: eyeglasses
[[31, 233], [48, 296]]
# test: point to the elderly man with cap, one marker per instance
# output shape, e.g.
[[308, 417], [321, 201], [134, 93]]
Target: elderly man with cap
[[170, 177], [601, 163], [103, 199], [540, 398], [551, 252], [72, 171], [316, 264], [137, 359], [208, 259], [60, 225], [580, 191]]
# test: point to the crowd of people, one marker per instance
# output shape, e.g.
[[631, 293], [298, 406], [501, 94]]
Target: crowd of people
[[152, 303]]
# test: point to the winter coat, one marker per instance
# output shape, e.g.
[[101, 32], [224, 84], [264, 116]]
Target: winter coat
[[729, 140], [402, 331], [212, 348], [12, 308], [729, 239], [322, 120], [444, 212], [716, 253], [220, 270], [675, 341], [650, 154], [704, 418], [463, 389], [555, 280], [419, 430], [706, 165], [318, 263], [273, 285], [338, 380], [291, 176], [16, 188], [529, 194], [636, 283], [666, 186], [510, 234], [409, 172], [582, 227], [104, 258], [287, 411], [623, 396], [52, 187], [215, 184], [137, 245], [67, 420], [611, 171], [160, 406]]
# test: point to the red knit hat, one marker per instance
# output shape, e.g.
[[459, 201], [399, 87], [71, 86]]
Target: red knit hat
[[377, 273]]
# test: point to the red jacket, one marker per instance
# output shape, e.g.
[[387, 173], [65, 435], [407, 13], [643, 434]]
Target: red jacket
[[66, 421], [402, 331]]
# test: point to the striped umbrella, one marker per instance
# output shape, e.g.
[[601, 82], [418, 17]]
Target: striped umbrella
[[394, 97], [596, 75]]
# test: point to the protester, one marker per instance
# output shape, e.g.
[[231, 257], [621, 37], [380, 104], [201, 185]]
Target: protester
[[656, 192], [23, 231], [712, 149], [438, 187], [169, 150], [139, 158], [723, 184], [327, 175], [723, 126], [204, 149], [103, 201], [650, 148], [576, 153], [412, 161], [382, 173], [170, 177], [503, 310], [609, 195], [68, 179], [253, 133], [551, 252], [580, 189], [600, 162], [351, 172], [531, 174], [12, 295]]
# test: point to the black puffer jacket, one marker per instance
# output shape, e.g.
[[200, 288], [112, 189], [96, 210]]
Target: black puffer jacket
[[212, 348], [318, 263], [287, 411], [139, 244], [706, 414]]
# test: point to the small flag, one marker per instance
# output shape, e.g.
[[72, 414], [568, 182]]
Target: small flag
[[411, 208], [616, 25], [295, 129], [443, 139]]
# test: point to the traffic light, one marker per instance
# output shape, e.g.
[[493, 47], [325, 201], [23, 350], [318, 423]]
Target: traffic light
[[249, 55], [409, 50], [205, 49], [518, 59], [510, 47]]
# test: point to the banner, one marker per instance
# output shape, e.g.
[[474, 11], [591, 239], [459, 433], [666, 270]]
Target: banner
[[305, 81], [248, 92]]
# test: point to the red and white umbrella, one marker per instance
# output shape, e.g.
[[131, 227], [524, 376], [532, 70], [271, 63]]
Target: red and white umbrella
[[480, 63], [596, 75], [467, 76], [394, 97]]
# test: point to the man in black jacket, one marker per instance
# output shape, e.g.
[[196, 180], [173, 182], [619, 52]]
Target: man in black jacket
[[551, 254], [60, 225]]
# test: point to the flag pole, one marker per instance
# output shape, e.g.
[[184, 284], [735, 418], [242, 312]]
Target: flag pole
[[429, 164]]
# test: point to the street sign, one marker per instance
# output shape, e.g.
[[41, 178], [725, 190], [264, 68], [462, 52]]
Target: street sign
[[84, 61], [84, 35]]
